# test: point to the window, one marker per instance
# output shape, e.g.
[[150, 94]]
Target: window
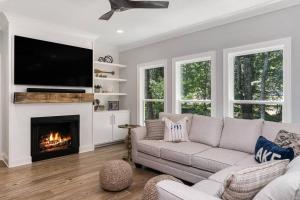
[[193, 84], [152, 86], [257, 81]]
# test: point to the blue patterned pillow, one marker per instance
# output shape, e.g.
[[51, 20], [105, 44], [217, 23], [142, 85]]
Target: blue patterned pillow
[[266, 150]]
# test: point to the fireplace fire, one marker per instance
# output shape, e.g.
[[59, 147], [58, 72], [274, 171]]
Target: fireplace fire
[[55, 141], [54, 136]]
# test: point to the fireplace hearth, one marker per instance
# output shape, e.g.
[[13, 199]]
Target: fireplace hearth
[[54, 136]]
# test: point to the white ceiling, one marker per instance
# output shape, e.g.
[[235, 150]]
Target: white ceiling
[[137, 24]]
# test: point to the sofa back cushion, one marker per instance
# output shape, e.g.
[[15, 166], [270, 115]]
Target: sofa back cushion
[[177, 117], [271, 129], [240, 134], [206, 130]]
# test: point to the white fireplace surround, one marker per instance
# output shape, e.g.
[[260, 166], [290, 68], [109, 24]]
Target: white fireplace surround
[[21, 130]]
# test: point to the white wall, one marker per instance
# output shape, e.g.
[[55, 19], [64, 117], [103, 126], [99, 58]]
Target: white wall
[[279, 24], [1, 46], [5, 96], [17, 137]]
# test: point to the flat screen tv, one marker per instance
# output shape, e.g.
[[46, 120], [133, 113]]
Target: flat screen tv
[[50, 64]]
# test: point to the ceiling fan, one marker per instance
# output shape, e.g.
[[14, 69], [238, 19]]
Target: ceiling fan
[[123, 5]]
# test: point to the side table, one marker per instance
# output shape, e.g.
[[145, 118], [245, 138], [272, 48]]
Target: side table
[[129, 146]]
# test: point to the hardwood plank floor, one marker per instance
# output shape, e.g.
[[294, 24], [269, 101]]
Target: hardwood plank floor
[[74, 177]]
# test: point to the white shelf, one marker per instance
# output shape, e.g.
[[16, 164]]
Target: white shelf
[[109, 64], [110, 79], [110, 94]]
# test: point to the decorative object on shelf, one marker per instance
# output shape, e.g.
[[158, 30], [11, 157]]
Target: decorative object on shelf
[[113, 105], [101, 59], [115, 175], [97, 106], [128, 140], [107, 59], [99, 73], [98, 89]]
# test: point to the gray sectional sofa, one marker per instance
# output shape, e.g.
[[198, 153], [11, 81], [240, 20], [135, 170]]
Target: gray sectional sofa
[[216, 147]]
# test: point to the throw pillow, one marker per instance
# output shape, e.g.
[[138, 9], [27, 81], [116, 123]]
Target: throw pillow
[[266, 150], [246, 183], [176, 131], [288, 139], [155, 129], [283, 187]]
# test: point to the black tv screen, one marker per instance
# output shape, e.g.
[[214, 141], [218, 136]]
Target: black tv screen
[[50, 64]]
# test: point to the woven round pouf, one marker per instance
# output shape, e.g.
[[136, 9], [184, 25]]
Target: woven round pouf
[[115, 175], [150, 191]]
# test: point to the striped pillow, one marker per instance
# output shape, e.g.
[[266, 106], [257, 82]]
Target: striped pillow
[[176, 131], [246, 183], [155, 129]]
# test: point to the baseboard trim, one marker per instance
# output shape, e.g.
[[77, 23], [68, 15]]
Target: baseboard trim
[[108, 144], [86, 148], [4, 158], [20, 162]]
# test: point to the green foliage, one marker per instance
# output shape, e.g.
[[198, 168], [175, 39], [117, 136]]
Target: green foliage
[[154, 89], [259, 77], [196, 81], [196, 108]]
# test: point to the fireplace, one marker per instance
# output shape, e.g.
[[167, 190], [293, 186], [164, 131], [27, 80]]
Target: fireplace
[[54, 136]]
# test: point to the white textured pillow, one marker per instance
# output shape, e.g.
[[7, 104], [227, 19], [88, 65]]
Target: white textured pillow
[[283, 187], [246, 183], [206, 130], [176, 131], [241, 134]]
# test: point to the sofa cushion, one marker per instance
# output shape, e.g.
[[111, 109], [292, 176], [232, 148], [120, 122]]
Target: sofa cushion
[[283, 187], [240, 134], [177, 117], [150, 147], [294, 165], [216, 159], [247, 161], [210, 187], [222, 175], [206, 130], [271, 129], [182, 152]]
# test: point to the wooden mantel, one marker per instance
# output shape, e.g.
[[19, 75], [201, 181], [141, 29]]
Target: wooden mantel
[[44, 97]]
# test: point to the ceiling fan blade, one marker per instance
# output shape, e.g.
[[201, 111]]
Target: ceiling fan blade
[[107, 16], [149, 4]]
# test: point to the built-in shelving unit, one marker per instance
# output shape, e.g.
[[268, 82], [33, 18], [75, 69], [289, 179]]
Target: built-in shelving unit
[[109, 79]]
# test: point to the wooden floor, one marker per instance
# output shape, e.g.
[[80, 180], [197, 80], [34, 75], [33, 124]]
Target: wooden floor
[[68, 178]]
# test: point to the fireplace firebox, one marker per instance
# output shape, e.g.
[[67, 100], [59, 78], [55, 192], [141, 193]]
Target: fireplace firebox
[[54, 136]]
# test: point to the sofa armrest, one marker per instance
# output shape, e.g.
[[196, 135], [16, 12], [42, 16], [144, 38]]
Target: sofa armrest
[[171, 190], [137, 134]]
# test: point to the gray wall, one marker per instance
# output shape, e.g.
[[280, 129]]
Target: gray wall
[[276, 25]]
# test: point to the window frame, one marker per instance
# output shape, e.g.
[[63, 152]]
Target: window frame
[[141, 87], [228, 75], [176, 83]]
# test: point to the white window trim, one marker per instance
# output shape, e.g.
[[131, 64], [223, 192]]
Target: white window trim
[[141, 86], [284, 44], [176, 85]]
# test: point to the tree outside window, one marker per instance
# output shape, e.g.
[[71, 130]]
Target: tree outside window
[[259, 78], [193, 84]]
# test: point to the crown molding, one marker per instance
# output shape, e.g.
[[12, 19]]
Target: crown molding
[[215, 22]]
